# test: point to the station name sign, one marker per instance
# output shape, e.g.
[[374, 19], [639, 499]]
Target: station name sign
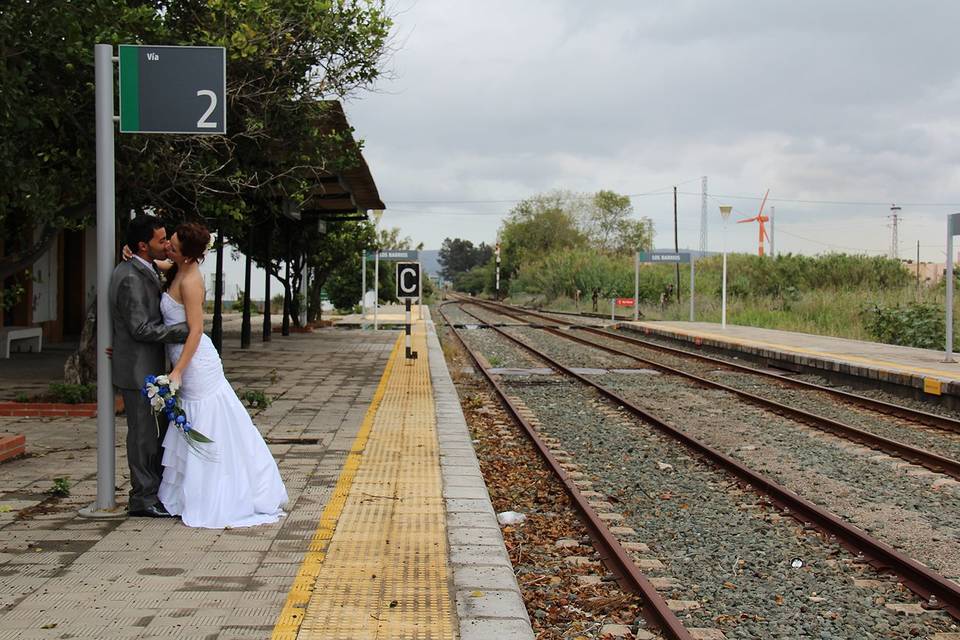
[[662, 256], [393, 254]]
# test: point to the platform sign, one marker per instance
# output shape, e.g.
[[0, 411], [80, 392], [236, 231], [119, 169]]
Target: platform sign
[[663, 257], [625, 302], [670, 257], [393, 254], [167, 89], [408, 280]]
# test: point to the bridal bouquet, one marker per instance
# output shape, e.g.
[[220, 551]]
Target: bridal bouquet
[[161, 393]]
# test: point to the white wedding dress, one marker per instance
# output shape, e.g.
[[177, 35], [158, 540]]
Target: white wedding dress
[[241, 485]]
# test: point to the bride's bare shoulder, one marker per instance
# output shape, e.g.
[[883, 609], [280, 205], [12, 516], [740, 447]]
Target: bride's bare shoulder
[[192, 283]]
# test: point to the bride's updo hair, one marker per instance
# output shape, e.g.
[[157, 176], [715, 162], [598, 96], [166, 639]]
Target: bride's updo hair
[[194, 239]]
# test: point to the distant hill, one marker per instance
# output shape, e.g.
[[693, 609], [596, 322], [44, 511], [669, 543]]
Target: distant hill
[[428, 258]]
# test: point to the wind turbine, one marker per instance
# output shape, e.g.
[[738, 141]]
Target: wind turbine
[[761, 219]]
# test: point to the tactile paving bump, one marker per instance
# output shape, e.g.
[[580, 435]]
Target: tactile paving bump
[[385, 572]]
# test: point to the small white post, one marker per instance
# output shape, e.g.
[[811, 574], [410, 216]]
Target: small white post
[[376, 290], [612, 304], [363, 287], [725, 210]]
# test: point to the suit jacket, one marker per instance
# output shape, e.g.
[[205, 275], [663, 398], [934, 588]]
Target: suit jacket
[[138, 330]]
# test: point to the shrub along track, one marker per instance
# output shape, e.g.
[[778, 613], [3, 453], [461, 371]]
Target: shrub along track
[[919, 578]]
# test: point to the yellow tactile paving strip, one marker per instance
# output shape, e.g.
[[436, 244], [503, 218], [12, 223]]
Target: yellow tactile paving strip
[[378, 562]]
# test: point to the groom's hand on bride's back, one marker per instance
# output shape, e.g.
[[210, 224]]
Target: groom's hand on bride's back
[[109, 352]]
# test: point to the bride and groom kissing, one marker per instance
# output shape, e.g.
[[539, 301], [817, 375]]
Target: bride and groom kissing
[[156, 300]]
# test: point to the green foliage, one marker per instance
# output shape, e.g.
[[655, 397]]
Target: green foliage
[[459, 256], [22, 397], [286, 59], [477, 280], [255, 398], [914, 325], [610, 227], [73, 393], [60, 488], [239, 300], [11, 295], [536, 227]]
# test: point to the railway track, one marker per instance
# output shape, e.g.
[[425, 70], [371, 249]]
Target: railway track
[[889, 408], [928, 584], [928, 459], [615, 556]]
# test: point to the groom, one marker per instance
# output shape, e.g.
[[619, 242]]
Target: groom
[[138, 338]]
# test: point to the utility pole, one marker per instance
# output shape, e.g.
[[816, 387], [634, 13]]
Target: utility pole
[[703, 214], [676, 241], [894, 240]]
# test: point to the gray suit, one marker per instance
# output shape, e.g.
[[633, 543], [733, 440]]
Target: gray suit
[[138, 338]]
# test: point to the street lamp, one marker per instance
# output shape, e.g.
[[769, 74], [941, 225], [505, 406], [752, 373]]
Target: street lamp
[[725, 210]]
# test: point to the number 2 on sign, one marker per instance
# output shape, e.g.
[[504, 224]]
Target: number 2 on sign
[[202, 122]]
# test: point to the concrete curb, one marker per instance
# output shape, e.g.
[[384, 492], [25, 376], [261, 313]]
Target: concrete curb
[[489, 603]]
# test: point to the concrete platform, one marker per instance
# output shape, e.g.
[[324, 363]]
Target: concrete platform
[[919, 371], [368, 446], [388, 316]]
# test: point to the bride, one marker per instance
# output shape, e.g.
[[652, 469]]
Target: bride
[[240, 485]]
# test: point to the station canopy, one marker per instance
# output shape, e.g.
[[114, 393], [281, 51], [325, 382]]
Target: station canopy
[[346, 193]]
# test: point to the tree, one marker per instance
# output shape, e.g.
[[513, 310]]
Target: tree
[[610, 228], [341, 245], [459, 256], [47, 116], [343, 281], [285, 57], [536, 226]]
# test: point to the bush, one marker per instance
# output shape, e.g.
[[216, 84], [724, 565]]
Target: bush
[[915, 325], [73, 393]]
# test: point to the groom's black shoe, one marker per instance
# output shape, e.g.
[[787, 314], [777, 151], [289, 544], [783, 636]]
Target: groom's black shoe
[[153, 511]]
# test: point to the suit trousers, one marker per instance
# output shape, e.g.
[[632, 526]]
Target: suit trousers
[[144, 452]]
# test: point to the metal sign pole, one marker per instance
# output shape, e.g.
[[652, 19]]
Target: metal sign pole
[[376, 289], [613, 302], [106, 219], [636, 286], [363, 287], [951, 229]]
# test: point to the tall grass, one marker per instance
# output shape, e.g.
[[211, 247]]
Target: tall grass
[[826, 295]]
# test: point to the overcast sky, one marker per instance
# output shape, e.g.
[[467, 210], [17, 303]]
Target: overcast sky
[[854, 101]]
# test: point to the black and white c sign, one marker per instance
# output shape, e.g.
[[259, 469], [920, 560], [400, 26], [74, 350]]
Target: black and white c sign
[[408, 280]]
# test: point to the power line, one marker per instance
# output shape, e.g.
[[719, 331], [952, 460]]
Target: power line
[[832, 246], [836, 202], [661, 190]]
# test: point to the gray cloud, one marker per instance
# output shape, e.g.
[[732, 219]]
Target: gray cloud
[[815, 100]]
